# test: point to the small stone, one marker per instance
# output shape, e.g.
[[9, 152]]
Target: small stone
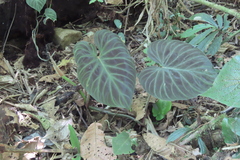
[[65, 37]]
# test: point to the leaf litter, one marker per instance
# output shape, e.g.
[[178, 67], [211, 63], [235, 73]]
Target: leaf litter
[[41, 114]]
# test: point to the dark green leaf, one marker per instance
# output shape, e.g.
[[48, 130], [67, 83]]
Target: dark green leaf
[[202, 146], [214, 47], [228, 135], [36, 4], [195, 29], [203, 46], [226, 87], [236, 155], [50, 14], [118, 23], [235, 125], [78, 157], [122, 37], [161, 108], [226, 22], [204, 17], [122, 144], [73, 138], [177, 134], [184, 71], [110, 76], [220, 21], [198, 38]]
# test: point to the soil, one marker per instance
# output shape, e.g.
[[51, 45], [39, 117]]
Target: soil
[[38, 90]]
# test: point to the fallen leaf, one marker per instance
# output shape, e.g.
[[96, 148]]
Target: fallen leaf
[[159, 145], [179, 105], [49, 78], [115, 2], [59, 131], [93, 144]]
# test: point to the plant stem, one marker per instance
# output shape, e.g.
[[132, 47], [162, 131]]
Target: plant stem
[[8, 32], [213, 121], [219, 7], [74, 84], [114, 114]]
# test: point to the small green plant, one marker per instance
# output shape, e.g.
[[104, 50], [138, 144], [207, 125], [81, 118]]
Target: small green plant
[[93, 1], [122, 143], [38, 5], [212, 32], [161, 108], [108, 74], [49, 13], [118, 24], [74, 142]]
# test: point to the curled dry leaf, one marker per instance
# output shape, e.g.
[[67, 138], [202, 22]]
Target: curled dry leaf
[[93, 146], [159, 145]]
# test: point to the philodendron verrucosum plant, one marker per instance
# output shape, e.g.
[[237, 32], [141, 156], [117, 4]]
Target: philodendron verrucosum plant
[[107, 72]]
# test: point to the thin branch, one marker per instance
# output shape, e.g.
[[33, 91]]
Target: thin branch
[[219, 7]]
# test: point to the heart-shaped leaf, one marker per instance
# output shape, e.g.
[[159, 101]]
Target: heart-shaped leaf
[[36, 4], [109, 76], [183, 72]]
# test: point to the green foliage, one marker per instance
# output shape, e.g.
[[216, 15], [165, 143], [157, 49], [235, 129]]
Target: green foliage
[[226, 86], [228, 133], [122, 37], [183, 72], [122, 144], [211, 38], [49, 13], [36, 4], [74, 141], [109, 76], [118, 23], [178, 133], [93, 1], [202, 146], [161, 108]]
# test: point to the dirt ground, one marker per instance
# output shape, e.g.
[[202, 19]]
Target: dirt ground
[[37, 104]]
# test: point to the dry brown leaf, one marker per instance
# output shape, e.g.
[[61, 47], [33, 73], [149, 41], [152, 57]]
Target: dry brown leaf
[[59, 131], [184, 153], [93, 144], [49, 78], [26, 121], [159, 145], [139, 108], [115, 2], [3, 66], [50, 108], [161, 126], [179, 105], [226, 46], [138, 105], [10, 155]]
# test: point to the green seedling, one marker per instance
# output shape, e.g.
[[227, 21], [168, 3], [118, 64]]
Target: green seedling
[[74, 142], [211, 33], [122, 143], [161, 108], [93, 1]]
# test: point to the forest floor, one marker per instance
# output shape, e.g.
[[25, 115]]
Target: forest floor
[[37, 105]]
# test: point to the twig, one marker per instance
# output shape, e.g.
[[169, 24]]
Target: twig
[[219, 7], [201, 129], [9, 29], [114, 114], [6, 148]]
